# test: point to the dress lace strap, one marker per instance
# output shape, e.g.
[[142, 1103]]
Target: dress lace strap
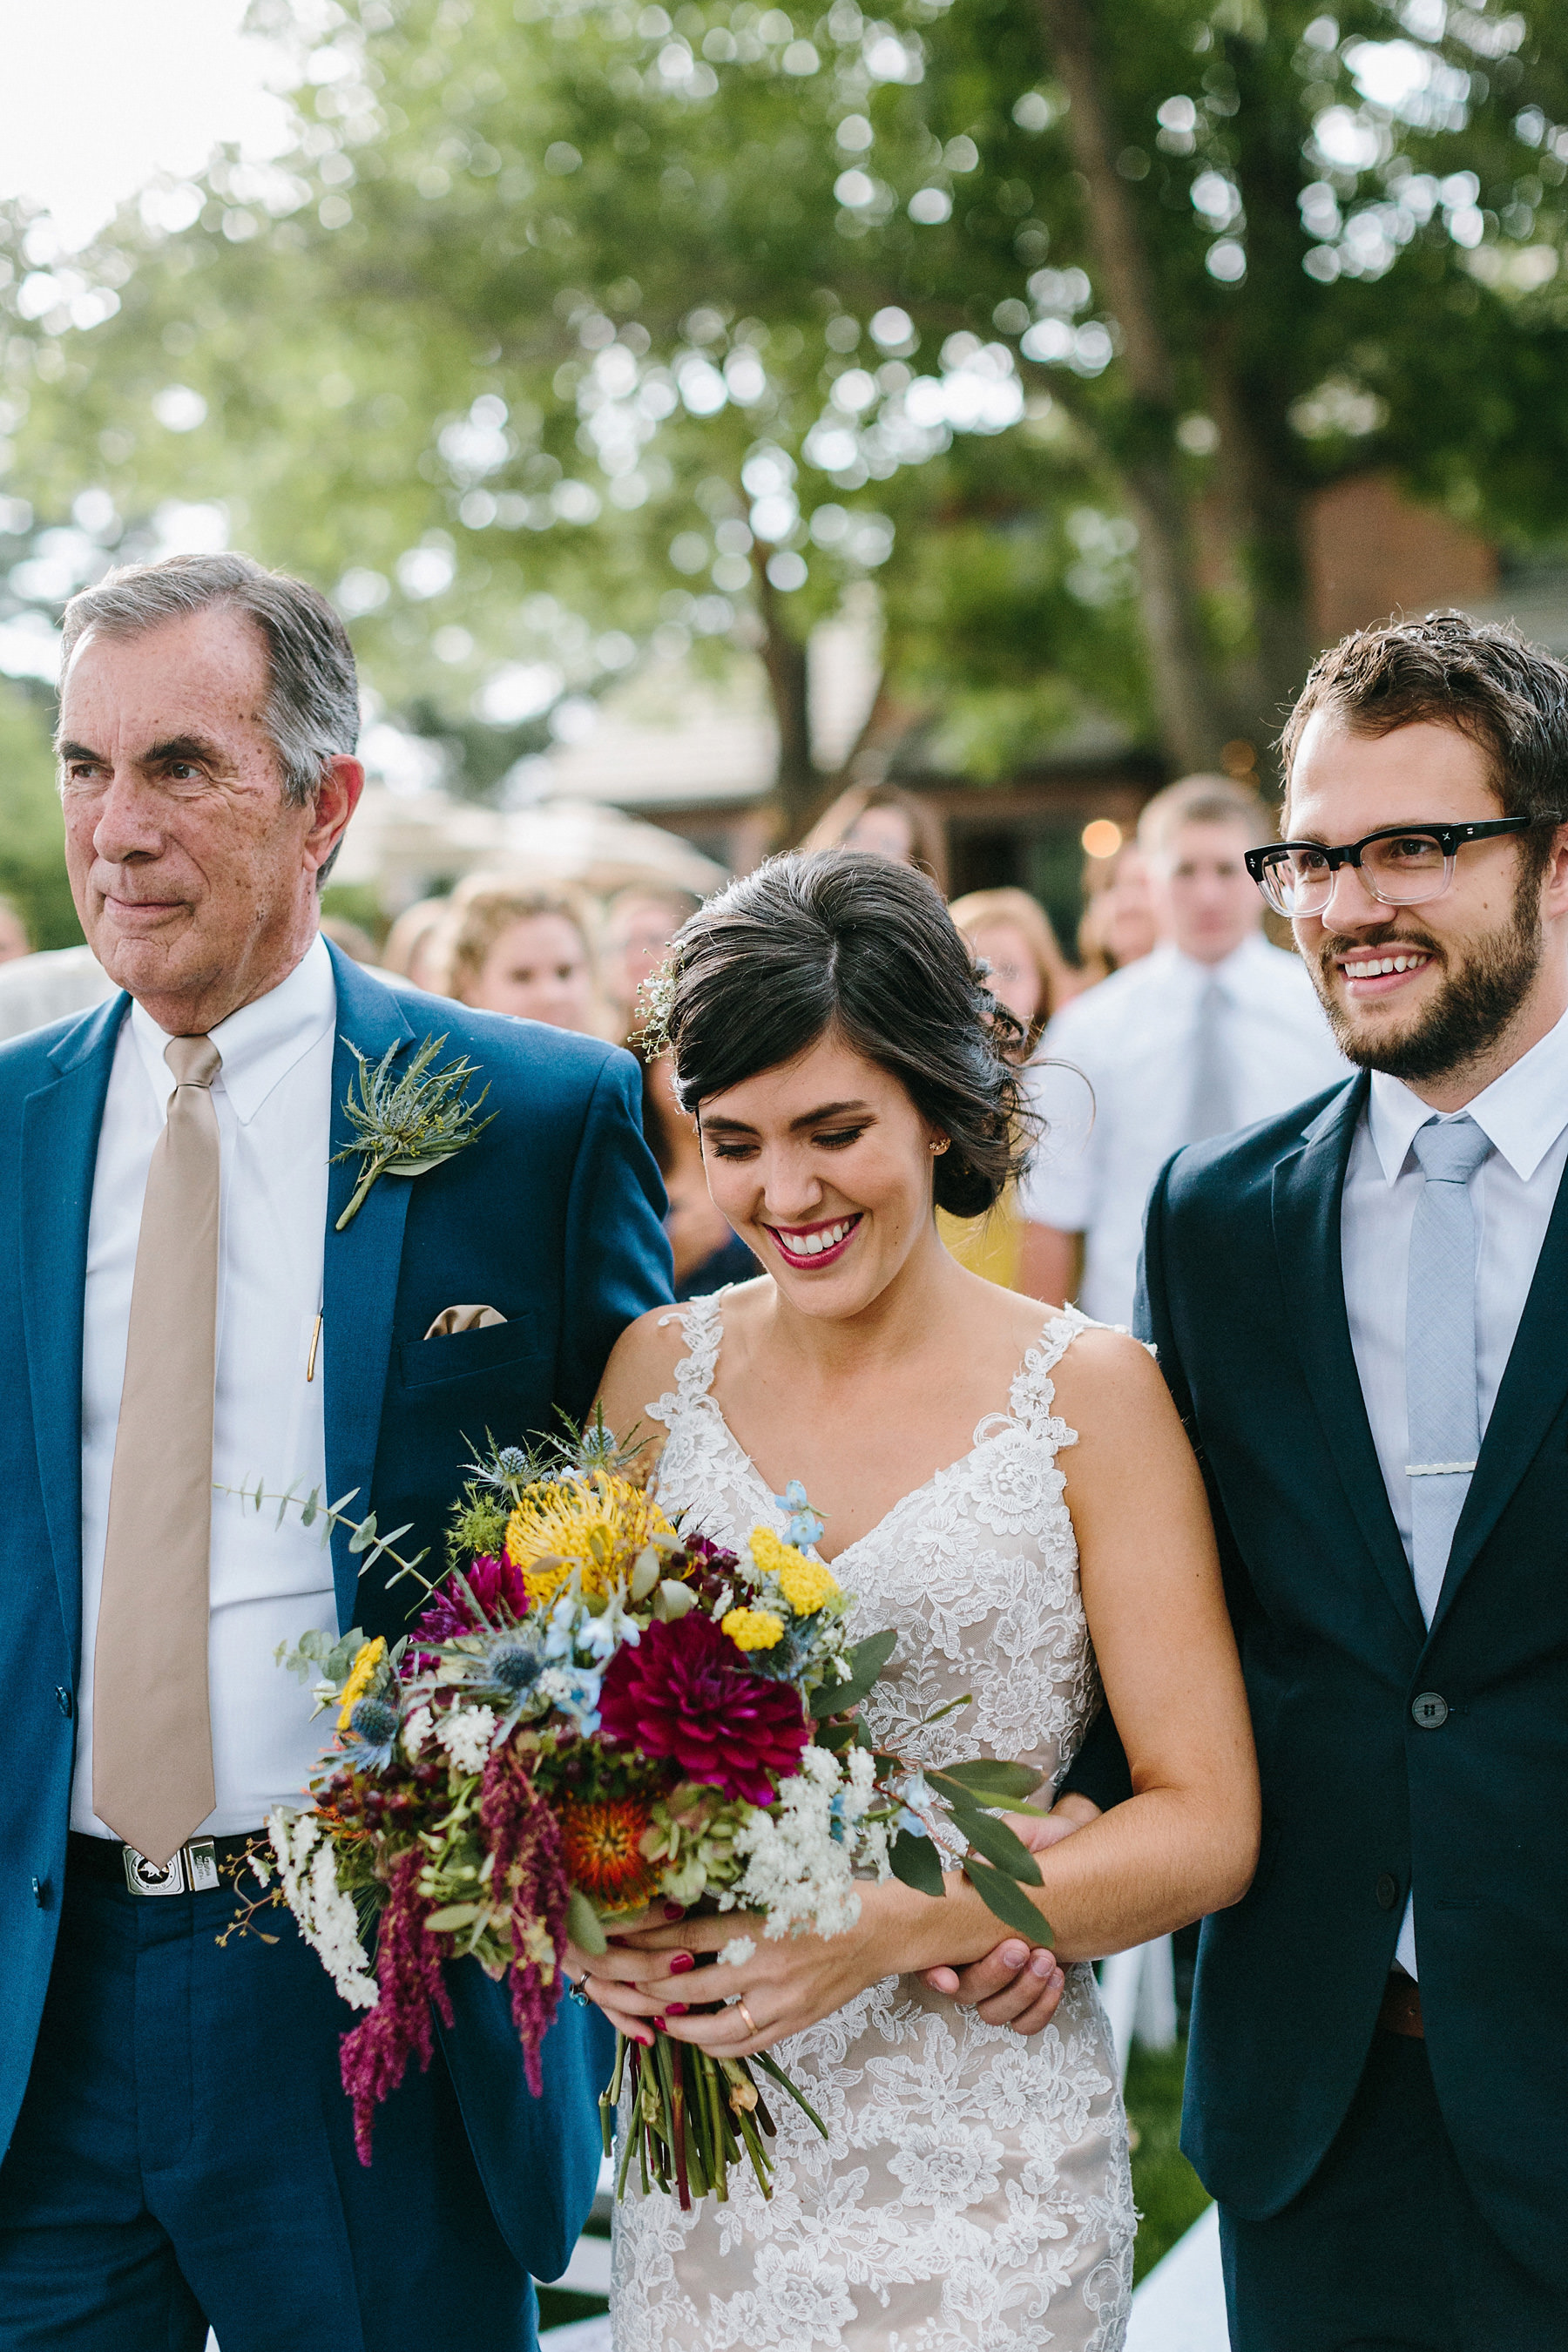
[[701, 1322], [1034, 1395]]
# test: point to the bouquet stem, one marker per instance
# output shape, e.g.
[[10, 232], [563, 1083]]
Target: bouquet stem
[[689, 2117]]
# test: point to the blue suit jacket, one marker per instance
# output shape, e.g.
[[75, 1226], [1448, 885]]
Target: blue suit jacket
[[1244, 1294], [552, 1217]]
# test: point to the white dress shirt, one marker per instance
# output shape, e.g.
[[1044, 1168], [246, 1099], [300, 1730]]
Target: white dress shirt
[[1524, 1115], [268, 1584], [1133, 1037]]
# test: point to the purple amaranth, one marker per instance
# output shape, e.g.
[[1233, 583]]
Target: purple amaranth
[[376, 2055], [525, 1838]]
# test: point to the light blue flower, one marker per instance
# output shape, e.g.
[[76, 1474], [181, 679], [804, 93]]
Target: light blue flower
[[602, 1636], [804, 1527], [576, 1690]]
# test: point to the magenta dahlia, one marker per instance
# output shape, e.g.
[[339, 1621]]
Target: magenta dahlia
[[686, 1692], [495, 1585]]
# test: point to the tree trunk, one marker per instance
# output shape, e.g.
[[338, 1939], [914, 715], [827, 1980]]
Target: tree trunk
[[797, 782], [1190, 704]]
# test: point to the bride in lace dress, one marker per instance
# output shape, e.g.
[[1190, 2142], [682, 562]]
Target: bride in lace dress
[[1008, 1486]]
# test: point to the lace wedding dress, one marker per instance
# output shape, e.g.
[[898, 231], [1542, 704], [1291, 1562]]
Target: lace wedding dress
[[973, 2189]]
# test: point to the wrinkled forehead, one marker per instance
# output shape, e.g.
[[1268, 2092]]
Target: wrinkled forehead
[[204, 676]]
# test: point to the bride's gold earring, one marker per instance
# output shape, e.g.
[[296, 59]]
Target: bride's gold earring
[[939, 1147]]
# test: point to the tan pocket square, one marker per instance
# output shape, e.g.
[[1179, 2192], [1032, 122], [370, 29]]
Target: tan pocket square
[[462, 1318]]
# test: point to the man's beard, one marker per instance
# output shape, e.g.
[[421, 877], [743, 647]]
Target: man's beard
[[1472, 1007]]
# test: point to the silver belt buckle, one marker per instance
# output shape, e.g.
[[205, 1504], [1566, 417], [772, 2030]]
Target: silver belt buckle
[[191, 1868]]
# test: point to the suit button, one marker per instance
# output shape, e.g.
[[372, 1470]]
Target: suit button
[[1387, 1890], [41, 1893], [63, 1700], [1430, 1710]]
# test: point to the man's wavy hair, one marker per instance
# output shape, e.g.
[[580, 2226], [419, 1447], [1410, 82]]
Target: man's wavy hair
[[846, 944], [1480, 677]]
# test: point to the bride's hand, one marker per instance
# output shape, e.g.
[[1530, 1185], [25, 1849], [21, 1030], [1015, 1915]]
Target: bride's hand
[[655, 1975]]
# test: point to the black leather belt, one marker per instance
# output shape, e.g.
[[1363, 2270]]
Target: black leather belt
[[193, 1869], [1401, 2010]]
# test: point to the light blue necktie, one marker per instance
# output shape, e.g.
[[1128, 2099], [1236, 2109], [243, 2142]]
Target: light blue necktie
[[1211, 1098], [1440, 1347]]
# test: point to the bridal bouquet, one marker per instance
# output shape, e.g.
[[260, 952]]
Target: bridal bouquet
[[598, 1709]]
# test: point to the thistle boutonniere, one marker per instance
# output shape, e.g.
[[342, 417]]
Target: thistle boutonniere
[[408, 1124]]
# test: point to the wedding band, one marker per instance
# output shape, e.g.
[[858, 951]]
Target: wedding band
[[750, 2021]]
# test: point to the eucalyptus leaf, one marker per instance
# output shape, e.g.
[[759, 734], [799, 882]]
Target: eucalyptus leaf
[[916, 1861], [988, 1780], [866, 1659], [999, 1845], [583, 1923], [1004, 1897]]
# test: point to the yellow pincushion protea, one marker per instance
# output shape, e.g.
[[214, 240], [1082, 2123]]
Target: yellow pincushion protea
[[367, 1657], [754, 1629], [592, 1527], [806, 1585]]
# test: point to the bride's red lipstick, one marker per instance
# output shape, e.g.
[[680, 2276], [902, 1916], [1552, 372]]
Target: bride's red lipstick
[[808, 1260]]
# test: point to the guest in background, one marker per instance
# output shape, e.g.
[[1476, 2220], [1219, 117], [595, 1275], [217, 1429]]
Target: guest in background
[[508, 949], [38, 989], [1012, 933], [14, 939], [707, 1250], [1118, 923], [1212, 1030], [886, 821], [639, 923], [411, 951]]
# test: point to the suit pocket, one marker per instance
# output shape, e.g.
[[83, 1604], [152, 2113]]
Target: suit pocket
[[462, 1355]]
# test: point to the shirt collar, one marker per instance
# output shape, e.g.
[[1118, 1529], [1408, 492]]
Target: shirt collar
[[1521, 1113], [262, 1042], [1229, 975]]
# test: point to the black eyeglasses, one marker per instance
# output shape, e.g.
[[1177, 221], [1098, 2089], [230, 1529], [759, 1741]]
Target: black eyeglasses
[[1400, 864]]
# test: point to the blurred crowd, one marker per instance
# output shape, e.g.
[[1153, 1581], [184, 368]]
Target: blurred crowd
[[1176, 1019]]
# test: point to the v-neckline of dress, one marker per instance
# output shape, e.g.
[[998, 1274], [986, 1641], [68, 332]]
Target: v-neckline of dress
[[1038, 1358]]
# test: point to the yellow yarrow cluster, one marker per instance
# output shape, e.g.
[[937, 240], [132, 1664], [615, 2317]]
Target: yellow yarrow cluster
[[367, 1657], [592, 1527], [754, 1629], [806, 1585]]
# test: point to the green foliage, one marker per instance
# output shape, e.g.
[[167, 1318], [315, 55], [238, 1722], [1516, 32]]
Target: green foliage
[[408, 1122], [479, 1527], [32, 833], [1166, 2190]]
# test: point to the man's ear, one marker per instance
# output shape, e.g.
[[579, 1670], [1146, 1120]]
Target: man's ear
[[336, 799]]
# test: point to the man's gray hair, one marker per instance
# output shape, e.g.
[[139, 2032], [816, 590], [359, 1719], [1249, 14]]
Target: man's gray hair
[[312, 697]]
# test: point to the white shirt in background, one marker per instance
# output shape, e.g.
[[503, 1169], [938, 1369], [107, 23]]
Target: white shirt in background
[[1524, 1114], [1134, 1037], [273, 1098], [38, 989]]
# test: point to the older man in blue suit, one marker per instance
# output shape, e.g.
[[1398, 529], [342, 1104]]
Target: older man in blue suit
[[183, 1310]]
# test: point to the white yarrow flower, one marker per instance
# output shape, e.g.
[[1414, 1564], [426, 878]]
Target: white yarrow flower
[[737, 1952], [798, 1873], [306, 1864], [466, 1735], [416, 1732]]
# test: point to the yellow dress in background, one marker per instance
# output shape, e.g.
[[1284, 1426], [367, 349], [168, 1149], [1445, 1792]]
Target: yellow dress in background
[[990, 1245]]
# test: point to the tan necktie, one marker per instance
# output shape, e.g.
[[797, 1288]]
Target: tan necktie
[[152, 1735]]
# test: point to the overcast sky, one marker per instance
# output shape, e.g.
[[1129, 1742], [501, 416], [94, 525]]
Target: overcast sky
[[97, 97]]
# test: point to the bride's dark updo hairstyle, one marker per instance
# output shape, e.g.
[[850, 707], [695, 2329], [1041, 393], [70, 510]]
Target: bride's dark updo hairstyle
[[845, 943]]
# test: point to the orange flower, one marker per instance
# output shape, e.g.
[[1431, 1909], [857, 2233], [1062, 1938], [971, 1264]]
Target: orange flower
[[602, 1843]]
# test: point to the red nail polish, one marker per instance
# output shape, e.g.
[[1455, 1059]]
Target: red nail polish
[[679, 1962], [659, 2022], [675, 2009], [675, 1910]]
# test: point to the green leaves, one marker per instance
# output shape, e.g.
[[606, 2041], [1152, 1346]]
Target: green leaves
[[916, 1861], [866, 1659], [583, 1923], [987, 1780], [1004, 1896]]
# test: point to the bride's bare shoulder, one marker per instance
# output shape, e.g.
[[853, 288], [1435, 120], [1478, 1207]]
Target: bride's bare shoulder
[[641, 1368]]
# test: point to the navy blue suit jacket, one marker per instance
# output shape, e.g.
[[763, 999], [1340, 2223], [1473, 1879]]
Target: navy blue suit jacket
[[552, 1217], [1244, 1295]]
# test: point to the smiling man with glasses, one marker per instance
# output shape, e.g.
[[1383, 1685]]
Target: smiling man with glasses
[[1360, 1310]]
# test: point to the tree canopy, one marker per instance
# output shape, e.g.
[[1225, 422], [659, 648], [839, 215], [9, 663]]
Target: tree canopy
[[567, 330]]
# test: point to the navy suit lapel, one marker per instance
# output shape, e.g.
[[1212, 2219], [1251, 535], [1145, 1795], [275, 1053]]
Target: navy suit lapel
[[1533, 1386], [60, 1126], [360, 1272], [1308, 1184]]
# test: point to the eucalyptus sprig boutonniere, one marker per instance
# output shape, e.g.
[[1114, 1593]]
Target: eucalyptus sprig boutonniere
[[406, 1124]]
